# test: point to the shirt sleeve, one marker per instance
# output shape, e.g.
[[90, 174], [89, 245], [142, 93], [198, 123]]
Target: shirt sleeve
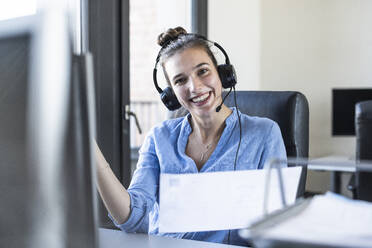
[[274, 147], [143, 189]]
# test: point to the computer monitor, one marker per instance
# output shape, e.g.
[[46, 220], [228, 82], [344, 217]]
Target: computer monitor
[[343, 109], [14, 74], [46, 128]]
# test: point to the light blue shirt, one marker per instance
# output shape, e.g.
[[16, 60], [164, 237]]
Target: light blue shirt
[[163, 151]]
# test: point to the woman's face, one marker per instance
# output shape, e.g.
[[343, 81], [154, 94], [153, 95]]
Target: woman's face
[[194, 80]]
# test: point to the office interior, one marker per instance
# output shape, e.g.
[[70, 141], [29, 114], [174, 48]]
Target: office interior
[[313, 47]]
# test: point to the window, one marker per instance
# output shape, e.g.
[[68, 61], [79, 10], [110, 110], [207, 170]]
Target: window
[[148, 18]]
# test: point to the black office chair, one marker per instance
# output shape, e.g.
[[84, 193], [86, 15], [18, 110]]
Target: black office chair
[[363, 132], [288, 108]]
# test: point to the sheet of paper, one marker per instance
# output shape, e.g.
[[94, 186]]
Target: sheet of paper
[[220, 200], [329, 219]]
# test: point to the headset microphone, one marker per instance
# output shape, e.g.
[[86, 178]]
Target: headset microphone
[[226, 72], [223, 100], [219, 107]]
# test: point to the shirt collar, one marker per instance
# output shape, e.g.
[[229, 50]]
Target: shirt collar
[[230, 120]]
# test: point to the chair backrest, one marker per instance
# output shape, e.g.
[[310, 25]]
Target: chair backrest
[[289, 109], [363, 132]]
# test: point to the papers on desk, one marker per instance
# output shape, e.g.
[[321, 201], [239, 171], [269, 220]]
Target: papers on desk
[[219, 200], [329, 219]]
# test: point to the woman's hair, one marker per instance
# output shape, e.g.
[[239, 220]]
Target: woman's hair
[[176, 40]]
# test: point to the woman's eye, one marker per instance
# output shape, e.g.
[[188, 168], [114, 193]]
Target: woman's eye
[[180, 81], [203, 71]]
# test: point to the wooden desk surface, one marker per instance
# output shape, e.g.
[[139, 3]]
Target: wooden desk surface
[[117, 239]]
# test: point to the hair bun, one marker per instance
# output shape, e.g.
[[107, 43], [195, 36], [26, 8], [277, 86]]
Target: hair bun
[[170, 35]]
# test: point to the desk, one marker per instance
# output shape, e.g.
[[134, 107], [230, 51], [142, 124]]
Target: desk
[[332, 163], [117, 239]]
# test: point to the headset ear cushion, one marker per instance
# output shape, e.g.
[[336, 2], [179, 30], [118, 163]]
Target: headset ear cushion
[[227, 75], [169, 99]]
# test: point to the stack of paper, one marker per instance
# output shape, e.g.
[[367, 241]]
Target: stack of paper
[[220, 200], [328, 220]]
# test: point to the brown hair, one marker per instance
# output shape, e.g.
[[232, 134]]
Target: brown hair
[[177, 39]]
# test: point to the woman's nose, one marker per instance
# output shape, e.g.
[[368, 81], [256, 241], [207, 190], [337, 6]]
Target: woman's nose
[[195, 84]]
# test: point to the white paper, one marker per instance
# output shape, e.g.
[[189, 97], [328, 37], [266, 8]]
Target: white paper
[[329, 219], [220, 200]]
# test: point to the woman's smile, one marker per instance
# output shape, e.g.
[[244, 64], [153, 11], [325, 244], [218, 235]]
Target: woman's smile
[[201, 99]]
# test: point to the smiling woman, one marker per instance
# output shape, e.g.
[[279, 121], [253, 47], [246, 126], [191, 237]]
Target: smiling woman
[[206, 140]]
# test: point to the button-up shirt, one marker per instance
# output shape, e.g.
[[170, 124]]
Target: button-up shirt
[[164, 151]]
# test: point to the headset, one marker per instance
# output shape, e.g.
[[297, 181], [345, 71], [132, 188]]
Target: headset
[[225, 71]]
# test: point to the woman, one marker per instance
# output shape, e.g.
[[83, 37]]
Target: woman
[[203, 141]]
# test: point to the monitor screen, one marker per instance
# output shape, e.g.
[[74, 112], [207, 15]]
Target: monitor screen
[[343, 109], [14, 72], [47, 192]]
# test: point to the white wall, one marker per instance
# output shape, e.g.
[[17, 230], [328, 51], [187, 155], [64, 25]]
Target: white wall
[[310, 46], [313, 46], [235, 26]]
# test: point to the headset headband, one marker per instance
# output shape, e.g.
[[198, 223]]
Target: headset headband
[[154, 73]]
